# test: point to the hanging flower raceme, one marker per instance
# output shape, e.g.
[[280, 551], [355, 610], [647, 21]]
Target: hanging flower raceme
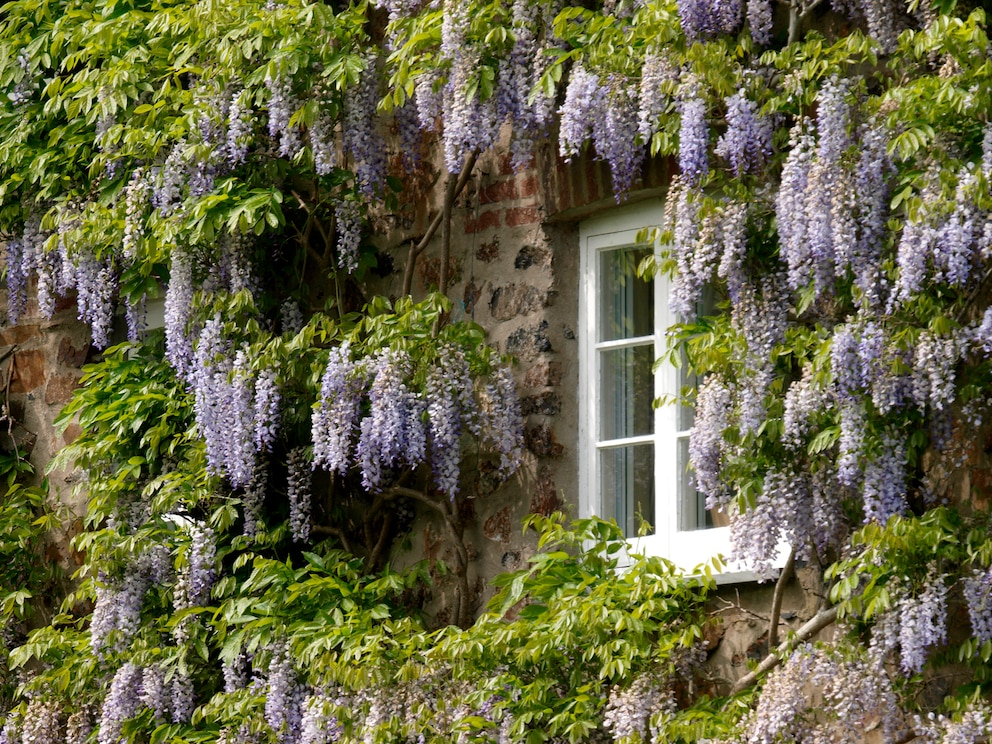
[[404, 426], [232, 413]]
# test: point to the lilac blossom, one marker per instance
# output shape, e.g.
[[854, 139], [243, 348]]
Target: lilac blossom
[[872, 197], [884, 489], [747, 143], [266, 410], [178, 310], [284, 696], [168, 180], [393, 433], [628, 710], [790, 207], [657, 74], [450, 406], [851, 444], [503, 420], [122, 702], [42, 722], [759, 18], [323, 145], [348, 222], [298, 494], [155, 694], [360, 137], [582, 108], [934, 362], [470, 124], [706, 447], [336, 418], [704, 19], [282, 104], [804, 401], [978, 597], [616, 141], [238, 137], [79, 726], [183, 698], [693, 139], [922, 622]]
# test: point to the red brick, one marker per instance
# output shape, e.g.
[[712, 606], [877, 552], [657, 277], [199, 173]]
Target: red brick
[[501, 191], [522, 216], [486, 221], [528, 186]]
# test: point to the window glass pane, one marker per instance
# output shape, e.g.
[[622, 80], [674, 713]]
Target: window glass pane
[[627, 485], [626, 392], [626, 302], [687, 382]]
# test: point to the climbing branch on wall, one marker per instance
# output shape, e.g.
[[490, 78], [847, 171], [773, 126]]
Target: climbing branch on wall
[[442, 219]]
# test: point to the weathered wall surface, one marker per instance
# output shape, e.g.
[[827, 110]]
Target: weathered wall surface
[[42, 359], [514, 267]]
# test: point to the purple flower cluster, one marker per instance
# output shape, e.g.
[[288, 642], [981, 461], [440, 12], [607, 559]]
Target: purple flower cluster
[[922, 622], [790, 205], [79, 726], [470, 124], [450, 406], [934, 361], [884, 490], [657, 74], [852, 694], [178, 309], [238, 137], [42, 723], [359, 133], [502, 419], [155, 694], [298, 494], [198, 573], [284, 697], [759, 18], [978, 597], [323, 145], [117, 609], [582, 108], [236, 408], [336, 418], [168, 180], [747, 143], [704, 19], [714, 401], [137, 198], [394, 432], [804, 401], [629, 709], [183, 698], [122, 702], [693, 139], [616, 140], [283, 103], [348, 222]]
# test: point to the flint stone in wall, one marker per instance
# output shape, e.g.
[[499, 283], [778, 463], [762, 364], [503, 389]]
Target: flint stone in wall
[[526, 343], [513, 300]]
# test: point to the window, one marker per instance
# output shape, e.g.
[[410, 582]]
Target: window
[[634, 456]]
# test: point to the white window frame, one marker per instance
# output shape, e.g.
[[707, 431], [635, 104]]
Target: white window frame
[[686, 548]]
